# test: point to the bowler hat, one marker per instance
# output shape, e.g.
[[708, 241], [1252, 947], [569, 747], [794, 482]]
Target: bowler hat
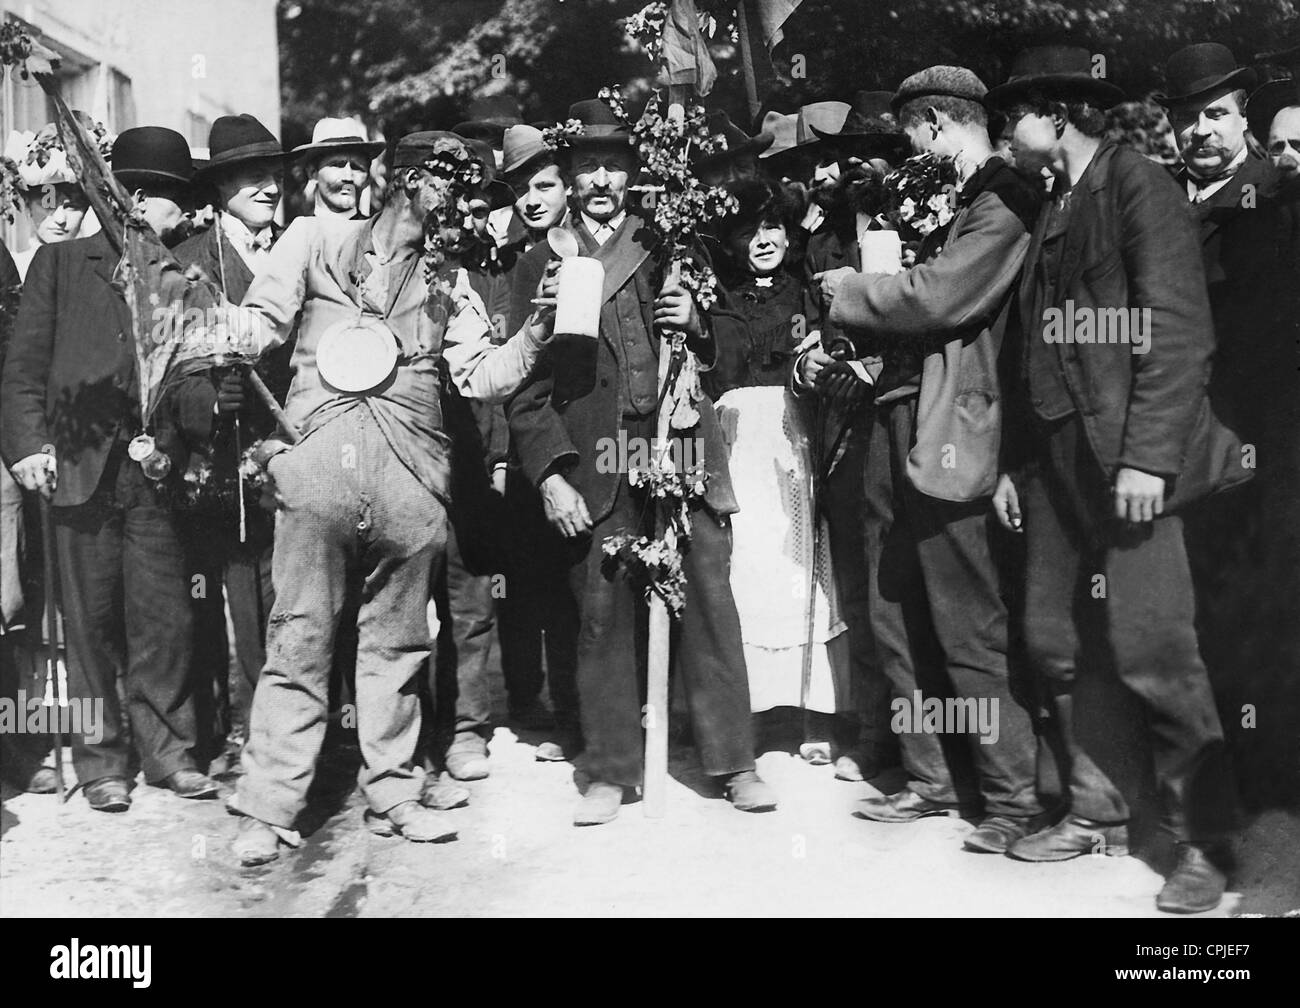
[[870, 127], [151, 154], [939, 81], [1267, 102], [235, 139], [1054, 70], [1197, 73], [338, 134]]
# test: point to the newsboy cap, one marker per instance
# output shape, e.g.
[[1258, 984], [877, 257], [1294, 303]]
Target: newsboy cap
[[941, 81]]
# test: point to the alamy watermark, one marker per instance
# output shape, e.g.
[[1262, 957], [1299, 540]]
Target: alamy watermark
[[917, 715], [1086, 325], [32, 715]]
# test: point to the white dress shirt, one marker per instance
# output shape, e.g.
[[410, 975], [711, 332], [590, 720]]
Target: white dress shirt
[[254, 249], [604, 232]]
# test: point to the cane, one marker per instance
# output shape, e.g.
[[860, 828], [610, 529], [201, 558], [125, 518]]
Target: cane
[[52, 632]]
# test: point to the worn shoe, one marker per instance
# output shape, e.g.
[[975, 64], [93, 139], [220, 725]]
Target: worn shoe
[[413, 821], [903, 806], [468, 765], [748, 792], [997, 833], [189, 784], [599, 805], [443, 795], [108, 794], [550, 752], [1195, 885], [1071, 837], [255, 843]]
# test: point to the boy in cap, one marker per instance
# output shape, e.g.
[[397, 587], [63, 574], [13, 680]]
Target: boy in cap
[[939, 619]]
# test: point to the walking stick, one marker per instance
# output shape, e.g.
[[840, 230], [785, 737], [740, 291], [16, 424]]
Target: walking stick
[[810, 624], [52, 631]]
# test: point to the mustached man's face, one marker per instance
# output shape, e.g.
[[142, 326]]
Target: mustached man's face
[[56, 212], [1284, 143], [1209, 137], [340, 177], [600, 180]]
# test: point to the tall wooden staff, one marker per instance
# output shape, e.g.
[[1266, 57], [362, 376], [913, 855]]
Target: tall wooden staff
[[655, 789]]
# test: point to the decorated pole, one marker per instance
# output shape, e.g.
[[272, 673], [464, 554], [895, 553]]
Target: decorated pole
[[655, 789]]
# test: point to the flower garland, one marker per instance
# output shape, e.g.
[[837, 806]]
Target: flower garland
[[923, 194], [658, 561], [457, 174], [646, 26], [682, 206]]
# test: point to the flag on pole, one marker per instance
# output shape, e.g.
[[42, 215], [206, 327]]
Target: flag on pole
[[685, 53], [772, 14]]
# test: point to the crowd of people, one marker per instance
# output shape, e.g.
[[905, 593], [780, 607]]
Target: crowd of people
[[999, 406]]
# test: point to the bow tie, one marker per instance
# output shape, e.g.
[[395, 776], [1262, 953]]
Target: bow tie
[[260, 242], [1202, 181]]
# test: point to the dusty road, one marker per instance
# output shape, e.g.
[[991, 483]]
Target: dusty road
[[518, 855]]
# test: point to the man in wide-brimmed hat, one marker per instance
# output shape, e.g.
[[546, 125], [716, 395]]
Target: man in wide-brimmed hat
[[740, 157], [604, 391], [1115, 437], [68, 409], [870, 130], [219, 417], [931, 461], [364, 491], [337, 166]]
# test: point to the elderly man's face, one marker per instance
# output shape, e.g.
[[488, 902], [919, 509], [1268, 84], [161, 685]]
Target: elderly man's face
[[1210, 136], [1284, 143], [340, 177], [600, 179], [251, 192]]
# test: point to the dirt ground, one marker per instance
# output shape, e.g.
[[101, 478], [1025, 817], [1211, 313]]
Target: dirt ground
[[518, 855]]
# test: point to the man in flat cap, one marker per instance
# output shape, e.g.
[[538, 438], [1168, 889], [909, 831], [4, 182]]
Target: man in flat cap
[[932, 464], [363, 492]]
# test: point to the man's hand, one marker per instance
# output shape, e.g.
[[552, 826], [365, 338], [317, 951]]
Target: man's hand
[[811, 365], [829, 282], [38, 473], [1139, 496], [564, 506], [230, 393], [1006, 505], [842, 385], [548, 288], [675, 309]]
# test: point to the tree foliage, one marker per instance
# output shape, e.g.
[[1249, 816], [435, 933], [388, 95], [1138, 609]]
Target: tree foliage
[[404, 64]]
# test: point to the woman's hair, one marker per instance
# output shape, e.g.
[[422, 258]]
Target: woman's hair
[[762, 202], [1143, 126]]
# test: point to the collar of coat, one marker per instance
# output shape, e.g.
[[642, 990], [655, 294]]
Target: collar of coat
[[623, 252], [1255, 171]]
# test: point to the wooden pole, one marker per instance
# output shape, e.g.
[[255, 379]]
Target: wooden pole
[[747, 59], [52, 632], [654, 791]]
